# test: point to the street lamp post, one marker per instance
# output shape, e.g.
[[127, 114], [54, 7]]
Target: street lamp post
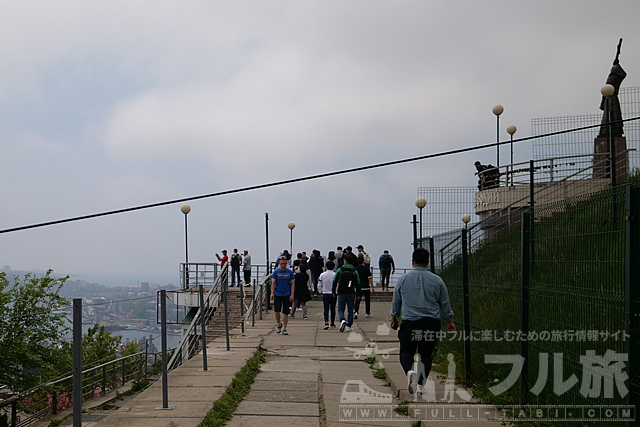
[[511, 129], [497, 110], [185, 209], [291, 226], [421, 202]]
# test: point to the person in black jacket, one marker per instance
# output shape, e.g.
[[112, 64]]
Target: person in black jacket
[[316, 265]]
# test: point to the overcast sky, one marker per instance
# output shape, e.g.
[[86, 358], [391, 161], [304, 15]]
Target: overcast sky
[[107, 105]]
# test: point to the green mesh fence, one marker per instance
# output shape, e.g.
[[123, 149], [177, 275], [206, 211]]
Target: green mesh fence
[[577, 299]]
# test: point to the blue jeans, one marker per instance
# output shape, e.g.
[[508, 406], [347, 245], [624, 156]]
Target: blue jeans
[[314, 281], [235, 272], [349, 300]]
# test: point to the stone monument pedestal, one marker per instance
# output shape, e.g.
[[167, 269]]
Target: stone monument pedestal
[[601, 157]]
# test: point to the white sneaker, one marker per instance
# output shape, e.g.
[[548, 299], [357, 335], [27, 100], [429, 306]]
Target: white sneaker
[[355, 315], [284, 332], [349, 329], [412, 379], [279, 328], [420, 389], [343, 325], [367, 315]]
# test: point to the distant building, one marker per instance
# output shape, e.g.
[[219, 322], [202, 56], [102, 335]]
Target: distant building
[[144, 286]]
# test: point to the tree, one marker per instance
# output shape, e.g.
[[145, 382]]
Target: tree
[[30, 331], [99, 346]]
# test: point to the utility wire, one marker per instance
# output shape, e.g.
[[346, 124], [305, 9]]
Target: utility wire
[[305, 178]]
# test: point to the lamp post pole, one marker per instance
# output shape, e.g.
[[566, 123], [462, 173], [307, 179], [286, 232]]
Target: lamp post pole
[[511, 129], [185, 209], [291, 226], [421, 202], [497, 110]]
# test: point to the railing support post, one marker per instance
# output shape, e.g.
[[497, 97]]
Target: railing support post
[[261, 293], [14, 413], [632, 306], [226, 313], [242, 308], [163, 335], [124, 374], [253, 312], [77, 362], [524, 304], [432, 257], [202, 329], [465, 296]]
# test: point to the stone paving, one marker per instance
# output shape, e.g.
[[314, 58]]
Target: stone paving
[[307, 375]]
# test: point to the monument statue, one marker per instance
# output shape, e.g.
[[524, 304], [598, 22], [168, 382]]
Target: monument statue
[[611, 103]]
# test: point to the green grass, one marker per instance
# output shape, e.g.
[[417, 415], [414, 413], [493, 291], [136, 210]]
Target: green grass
[[577, 284], [224, 407], [403, 408], [380, 374]]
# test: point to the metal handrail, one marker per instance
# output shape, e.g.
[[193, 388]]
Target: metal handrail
[[536, 191], [55, 397], [258, 297], [190, 338]]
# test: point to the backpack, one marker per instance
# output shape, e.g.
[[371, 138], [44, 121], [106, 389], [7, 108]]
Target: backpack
[[235, 260], [347, 282], [385, 261]]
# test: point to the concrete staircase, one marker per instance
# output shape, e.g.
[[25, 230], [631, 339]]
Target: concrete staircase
[[216, 326]]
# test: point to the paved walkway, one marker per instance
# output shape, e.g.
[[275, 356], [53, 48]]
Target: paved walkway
[[306, 378]]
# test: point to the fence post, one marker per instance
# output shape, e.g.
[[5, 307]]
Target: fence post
[[54, 403], [612, 167], [14, 413], [242, 308], [532, 216], [104, 379], [124, 373], [253, 312], [226, 312], [525, 266], [261, 294], [202, 329], [146, 358], [163, 336], [77, 362], [632, 306], [432, 256], [465, 301]]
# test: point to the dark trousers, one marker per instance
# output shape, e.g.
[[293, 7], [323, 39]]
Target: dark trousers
[[418, 335], [247, 277], [366, 295], [235, 272], [329, 302], [384, 278]]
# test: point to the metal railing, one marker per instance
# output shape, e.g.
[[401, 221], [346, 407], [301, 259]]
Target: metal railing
[[55, 396], [550, 170], [260, 296], [546, 179], [192, 336]]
